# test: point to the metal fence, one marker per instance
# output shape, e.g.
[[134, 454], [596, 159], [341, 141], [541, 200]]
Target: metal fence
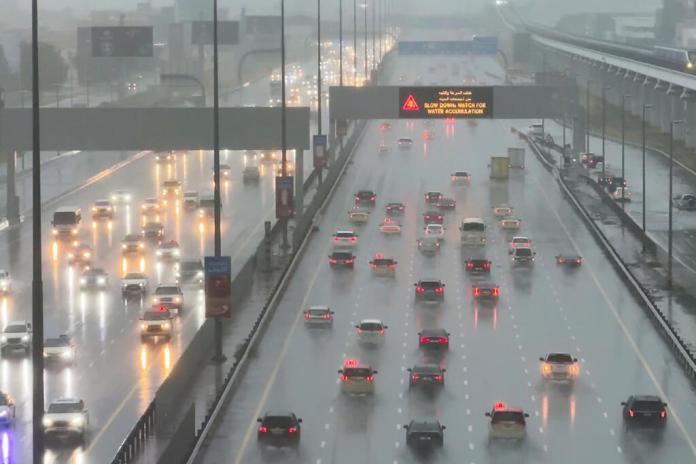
[[135, 441]]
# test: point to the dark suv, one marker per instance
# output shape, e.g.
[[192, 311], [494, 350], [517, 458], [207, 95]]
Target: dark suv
[[365, 196], [426, 375], [433, 217], [279, 429], [430, 290], [341, 259], [424, 434], [478, 265], [644, 411]]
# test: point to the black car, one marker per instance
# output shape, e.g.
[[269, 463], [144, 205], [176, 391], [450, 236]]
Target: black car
[[644, 411], [569, 260], [433, 338], [365, 196], [593, 160], [612, 182], [486, 291], [279, 429], [394, 208], [478, 265], [433, 217], [430, 290], [341, 259], [426, 375], [190, 272], [433, 197], [426, 434]]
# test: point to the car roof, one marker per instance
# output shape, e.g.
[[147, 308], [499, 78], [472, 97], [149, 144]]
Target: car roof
[[646, 398], [428, 332], [471, 219], [429, 279], [21, 322], [94, 270], [66, 401], [416, 425], [371, 321], [345, 232], [67, 209], [427, 368], [168, 285], [317, 308], [485, 285], [135, 275], [279, 414]]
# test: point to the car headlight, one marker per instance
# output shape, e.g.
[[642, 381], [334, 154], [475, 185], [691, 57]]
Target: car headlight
[[3, 339], [87, 255], [177, 300], [141, 245], [159, 252], [140, 284], [25, 338], [101, 281], [66, 355], [123, 246], [155, 299], [166, 325], [83, 280], [77, 421], [199, 274], [74, 231], [55, 232], [176, 252], [47, 422], [143, 326]]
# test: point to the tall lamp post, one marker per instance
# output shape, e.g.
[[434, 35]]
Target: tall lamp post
[[669, 234], [374, 34], [587, 117], [604, 129], [319, 69], [37, 271], [624, 97], [646, 106], [340, 43], [365, 7], [355, 42]]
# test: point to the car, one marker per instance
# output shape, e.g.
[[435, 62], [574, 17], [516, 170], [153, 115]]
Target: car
[[685, 201], [559, 367], [460, 177], [502, 211], [170, 188], [345, 239], [8, 410], [427, 134], [569, 259], [433, 339], [390, 226], [102, 209], [251, 174], [371, 331], [510, 224], [433, 197], [165, 158], [123, 197], [394, 208], [191, 199], [517, 242], [613, 182], [485, 291], [5, 282], [472, 232], [478, 266], [433, 217], [447, 203], [66, 417], [60, 350], [428, 244], [225, 171], [268, 156], [385, 126], [382, 266], [279, 429], [133, 243], [341, 259], [404, 143], [190, 271], [150, 205], [426, 375], [358, 216], [168, 251], [153, 231], [591, 161], [621, 194], [134, 284], [95, 279], [357, 378], [365, 197], [425, 434], [507, 423], [429, 289], [170, 296], [383, 149], [644, 412], [206, 205], [156, 322], [434, 230], [523, 256], [318, 316], [16, 335], [80, 255]]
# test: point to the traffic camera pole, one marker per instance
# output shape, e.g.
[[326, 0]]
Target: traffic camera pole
[[283, 141], [218, 357], [37, 280], [320, 169]]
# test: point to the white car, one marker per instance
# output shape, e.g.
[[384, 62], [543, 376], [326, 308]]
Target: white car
[[621, 194], [170, 297], [460, 177], [150, 205], [434, 230], [371, 331], [404, 143], [382, 266], [66, 417], [502, 211], [7, 409], [5, 282], [94, 279], [358, 216], [168, 251], [156, 322], [517, 242], [345, 238], [59, 350], [390, 226], [121, 196], [510, 224], [507, 423], [685, 201], [357, 379], [191, 199], [251, 174], [559, 367], [429, 245], [134, 283], [16, 336], [103, 209]]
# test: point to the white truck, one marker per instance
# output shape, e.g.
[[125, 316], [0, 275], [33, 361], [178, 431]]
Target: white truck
[[516, 156]]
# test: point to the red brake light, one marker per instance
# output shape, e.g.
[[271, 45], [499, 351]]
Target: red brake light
[[162, 309], [350, 362], [373, 266], [349, 261], [496, 291], [561, 260], [327, 316], [477, 291], [373, 197], [663, 414], [392, 266], [442, 340], [439, 217], [360, 331], [263, 429], [438, 378], [424, 340], [352, 239], [499, 406], [578, 261], [292, 429], [307, 316], [370, 378], [332, 261], [486, 265], [415, 377], [469, 265], [439, 290], [381, 331], [336, 239], [344, 378], [420, 289], [631, 413]]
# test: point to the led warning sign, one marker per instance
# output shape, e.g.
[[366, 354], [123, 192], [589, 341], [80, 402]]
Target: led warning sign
[[445, 102]]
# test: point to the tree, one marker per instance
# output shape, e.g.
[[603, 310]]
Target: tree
[[53, 70]]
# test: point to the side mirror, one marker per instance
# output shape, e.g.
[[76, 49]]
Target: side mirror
[[664, 405], [488, 414], [299, 420], [409, 369], [623, 403], [415, 284], [385, 326], [258, 419], [444, 370], [357, 326], [575, 359], [340, 371], [444, 427], [443, 284], [374, 371], [405, 427], [526, 415]]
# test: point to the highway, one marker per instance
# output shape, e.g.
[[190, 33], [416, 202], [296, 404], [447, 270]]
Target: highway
[[494, 350], [114, 373]]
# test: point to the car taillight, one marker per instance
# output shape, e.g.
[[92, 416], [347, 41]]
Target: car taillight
[[469, 265], [360, 331], [392, 266], [415, 377], [373, 266], [381, 331], [373, 197], [631, 413], [442, 340], [439, 290], [561, 260], [292, 429], [578, 261], [263, 429], [332, 261], [370, 378], [349, 261], [438, 378], [477, 291], [344, 378], [420, 289], [439, 217], [353, 239], [424, 340], [326, 316], [486, 265], [454, 178], [496, 291], [663, 414], [307, 316], [336, 239]]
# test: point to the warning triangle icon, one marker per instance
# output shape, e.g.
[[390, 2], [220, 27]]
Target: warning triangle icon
[[410, 104]]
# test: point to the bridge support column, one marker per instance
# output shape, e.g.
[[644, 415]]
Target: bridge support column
[[689, 99], [653, 115], [12, 198], [638, 97], [678, 114], [299, 184]]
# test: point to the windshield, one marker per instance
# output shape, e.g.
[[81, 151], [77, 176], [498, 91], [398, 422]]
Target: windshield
[[17, 328], [371, 326], [167, 290], [358, 372], [64, 218], [64, 408], [191, 266], [508, 416], [278, 422], [473, 227], [559, 358], [156, 316], [103, 203], [648, 406], [430, 284], [523, 252]]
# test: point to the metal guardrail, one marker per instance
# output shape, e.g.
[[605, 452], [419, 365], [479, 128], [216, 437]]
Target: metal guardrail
[[683, 354], [135, 441]]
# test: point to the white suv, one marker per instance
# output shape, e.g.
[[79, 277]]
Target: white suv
[[16, 336]]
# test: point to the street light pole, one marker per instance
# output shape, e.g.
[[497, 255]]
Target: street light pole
[[604, 130], [37, 271], [355, 42], [646, 106], [365, 6], [340, 43], [284, 167], [319, 70], [587, 118], [623, 148], [374, 35], [669, 234]]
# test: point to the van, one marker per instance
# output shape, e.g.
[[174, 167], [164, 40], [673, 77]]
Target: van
[[206, 205], [66, 222], [473, 232]]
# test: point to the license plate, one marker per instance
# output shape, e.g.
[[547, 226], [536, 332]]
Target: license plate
[[485, 292], [277, 431]]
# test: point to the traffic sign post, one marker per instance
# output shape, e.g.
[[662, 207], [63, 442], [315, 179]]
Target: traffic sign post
[[319, 143], [284, 197], [218, 280], [122, 42], [446, 102]]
